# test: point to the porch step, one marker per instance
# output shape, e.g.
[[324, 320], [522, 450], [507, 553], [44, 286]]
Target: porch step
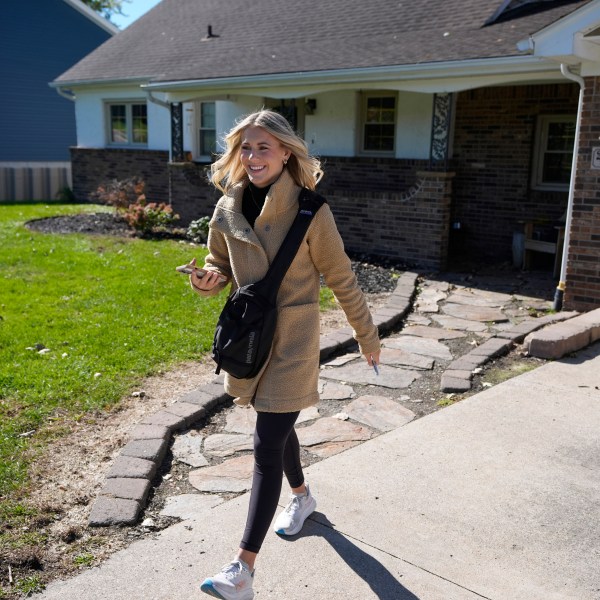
[[562, 338]]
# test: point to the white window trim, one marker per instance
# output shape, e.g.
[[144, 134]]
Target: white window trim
[[129, 122], [196, 132], [364, 96], [541, 142]]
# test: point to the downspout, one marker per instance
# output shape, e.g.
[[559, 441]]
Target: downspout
[[562, 284]]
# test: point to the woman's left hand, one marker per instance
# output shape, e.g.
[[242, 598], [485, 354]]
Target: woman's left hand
[[373, 357]]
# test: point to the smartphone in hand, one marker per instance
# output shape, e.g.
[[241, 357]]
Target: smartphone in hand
[[200, 273]]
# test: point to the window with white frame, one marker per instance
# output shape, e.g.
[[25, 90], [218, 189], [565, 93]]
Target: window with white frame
[[207, 129], [378, 126], [553, 152], [127, 123]]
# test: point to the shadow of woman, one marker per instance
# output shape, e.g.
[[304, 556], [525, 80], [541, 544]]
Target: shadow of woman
[[384, 585]]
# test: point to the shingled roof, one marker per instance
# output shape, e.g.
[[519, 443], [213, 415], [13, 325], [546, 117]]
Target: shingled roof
[[261, 37]]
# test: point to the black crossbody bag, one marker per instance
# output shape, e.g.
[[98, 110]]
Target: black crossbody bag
[[246, 326]]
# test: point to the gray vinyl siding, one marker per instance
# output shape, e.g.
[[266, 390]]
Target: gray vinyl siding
[[39, 39]]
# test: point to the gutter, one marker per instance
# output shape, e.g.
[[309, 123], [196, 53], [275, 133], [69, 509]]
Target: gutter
[[65, 93], [562, 284], [446, 70]]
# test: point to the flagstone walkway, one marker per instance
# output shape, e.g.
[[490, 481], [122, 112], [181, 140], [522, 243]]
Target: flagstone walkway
[[451, 330]]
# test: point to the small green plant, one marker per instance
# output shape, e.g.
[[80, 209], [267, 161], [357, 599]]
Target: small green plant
[[197, 230], [30, 585], [84, 560]]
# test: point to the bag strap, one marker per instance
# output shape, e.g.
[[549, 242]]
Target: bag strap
[[309, 203]]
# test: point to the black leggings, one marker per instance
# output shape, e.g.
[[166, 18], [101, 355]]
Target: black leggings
[[276, 451]]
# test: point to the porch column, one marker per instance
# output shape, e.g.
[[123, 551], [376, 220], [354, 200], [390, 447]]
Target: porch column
[[441, 123], [177, 132]]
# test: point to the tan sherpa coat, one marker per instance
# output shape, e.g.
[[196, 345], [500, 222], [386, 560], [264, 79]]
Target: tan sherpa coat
[[289, 380]]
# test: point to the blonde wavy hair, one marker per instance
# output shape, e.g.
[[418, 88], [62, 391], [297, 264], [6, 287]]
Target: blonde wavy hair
[[228, 171]]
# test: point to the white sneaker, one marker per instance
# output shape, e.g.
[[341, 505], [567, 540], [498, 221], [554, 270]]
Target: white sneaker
[[291, 520], [234, 582]]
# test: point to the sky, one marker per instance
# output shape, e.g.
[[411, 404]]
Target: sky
[[134, 9]]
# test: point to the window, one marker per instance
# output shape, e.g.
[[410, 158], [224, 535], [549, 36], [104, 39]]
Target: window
[[127, 123], [554, 152], [207, 131], [378, 123]]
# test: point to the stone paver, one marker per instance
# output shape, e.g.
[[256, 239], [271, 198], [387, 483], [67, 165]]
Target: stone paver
[[423, 346], [401, 358], [390, 377], [342, 360], [331, 390], [127, 488], [241, 420], [225, 444], [433, 333], [153, 449], [149, 432], [231, 476], [328, 449], [474, 297], [308, 414], [460, 324], [428, 299], [130, 466], [379, 412], [474, 313], [187, 449], [114, 511], [328, 429]]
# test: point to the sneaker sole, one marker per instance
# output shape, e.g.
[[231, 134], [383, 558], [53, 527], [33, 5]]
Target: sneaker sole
[[208, 588], [298, 528]]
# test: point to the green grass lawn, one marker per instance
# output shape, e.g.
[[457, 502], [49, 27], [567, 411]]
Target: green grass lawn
[[109, 310]]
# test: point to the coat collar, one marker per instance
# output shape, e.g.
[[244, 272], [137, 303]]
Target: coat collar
[[230, 220]]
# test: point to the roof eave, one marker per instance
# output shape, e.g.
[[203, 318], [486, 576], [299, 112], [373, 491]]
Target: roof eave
[[449, 70]]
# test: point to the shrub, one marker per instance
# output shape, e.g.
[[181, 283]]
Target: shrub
[[198, 230], [120, 193], [129, 200], [148, 217]]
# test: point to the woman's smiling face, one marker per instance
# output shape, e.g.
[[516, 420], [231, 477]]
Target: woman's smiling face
[[262, 156]]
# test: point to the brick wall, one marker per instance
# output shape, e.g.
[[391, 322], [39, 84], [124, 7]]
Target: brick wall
[[493, 149], [91, 167], [583, 265], [412, 226], [385, 207], [192, 196]]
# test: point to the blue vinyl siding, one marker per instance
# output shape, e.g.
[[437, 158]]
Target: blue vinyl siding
[[39, 40]]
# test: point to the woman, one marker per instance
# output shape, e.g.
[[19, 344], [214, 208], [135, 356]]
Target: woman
[[261, 173]]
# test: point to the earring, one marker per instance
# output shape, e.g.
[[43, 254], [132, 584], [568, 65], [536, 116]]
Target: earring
[[285, 161]]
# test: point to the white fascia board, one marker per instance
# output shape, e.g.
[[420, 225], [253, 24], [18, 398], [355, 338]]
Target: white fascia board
[[84, 9], [432, 77], [82, 83], [558, 40]]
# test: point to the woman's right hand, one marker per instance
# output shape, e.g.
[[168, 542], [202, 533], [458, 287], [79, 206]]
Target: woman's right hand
[[205, 283]]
